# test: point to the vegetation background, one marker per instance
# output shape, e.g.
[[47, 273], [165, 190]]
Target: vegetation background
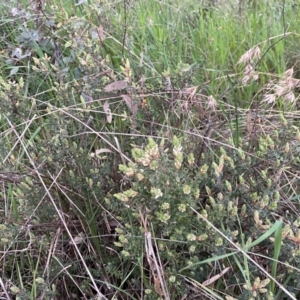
[[149, 149]]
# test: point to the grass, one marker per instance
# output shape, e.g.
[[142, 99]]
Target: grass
[[149, 150]]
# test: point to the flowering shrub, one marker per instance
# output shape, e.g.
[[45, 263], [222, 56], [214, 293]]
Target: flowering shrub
[[177, 201]]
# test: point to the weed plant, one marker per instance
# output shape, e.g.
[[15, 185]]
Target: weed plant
[[149, 150]]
